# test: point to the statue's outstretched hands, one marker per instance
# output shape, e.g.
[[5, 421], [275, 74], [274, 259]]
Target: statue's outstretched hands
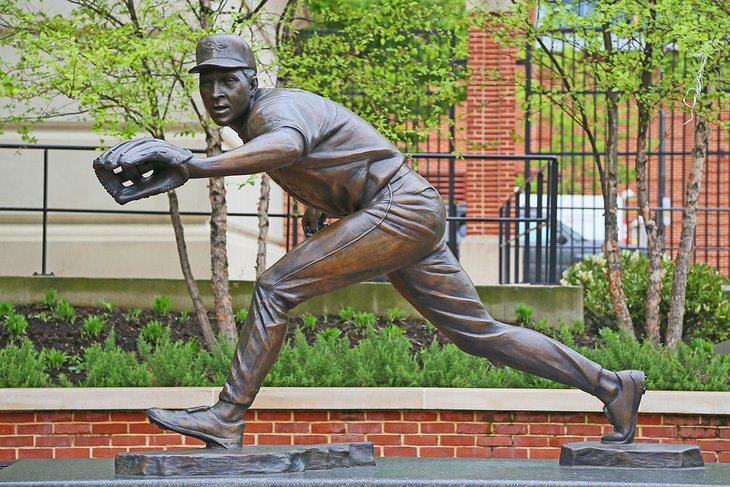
[[139, 168]]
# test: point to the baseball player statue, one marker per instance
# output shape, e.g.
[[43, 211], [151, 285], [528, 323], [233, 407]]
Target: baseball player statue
[[391, 221]]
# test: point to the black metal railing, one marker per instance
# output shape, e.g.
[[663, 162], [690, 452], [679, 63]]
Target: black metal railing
[[439, 168], [528, 228], [549, 129]]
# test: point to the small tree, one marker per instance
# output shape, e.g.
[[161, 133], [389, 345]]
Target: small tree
[[621, 47], [123, 65], [554, 28], [708, 42], [390, 61]]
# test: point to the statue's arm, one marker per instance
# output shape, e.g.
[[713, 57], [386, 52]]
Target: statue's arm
[[269, 151]]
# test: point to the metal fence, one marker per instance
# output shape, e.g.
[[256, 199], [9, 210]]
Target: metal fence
[[444, 171], [528, 228], [549, 129]]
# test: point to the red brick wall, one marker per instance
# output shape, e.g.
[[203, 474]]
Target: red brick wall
[[95, 434], [491, 126]]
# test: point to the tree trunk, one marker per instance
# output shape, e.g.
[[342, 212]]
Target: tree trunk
[[611, 249], [263, 214], [686, 238], [182, 251], [218, 252], [654, 235]]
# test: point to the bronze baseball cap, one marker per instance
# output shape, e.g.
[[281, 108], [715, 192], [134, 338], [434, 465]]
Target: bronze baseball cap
[[227, 51]]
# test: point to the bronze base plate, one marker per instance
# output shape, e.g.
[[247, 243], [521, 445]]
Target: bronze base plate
[[633, 455], [244, 461]]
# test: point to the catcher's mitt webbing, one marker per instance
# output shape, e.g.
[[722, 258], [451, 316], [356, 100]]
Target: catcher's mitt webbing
[[140, 168]]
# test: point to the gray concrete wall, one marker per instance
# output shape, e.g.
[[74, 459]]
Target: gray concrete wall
[[555, 303]]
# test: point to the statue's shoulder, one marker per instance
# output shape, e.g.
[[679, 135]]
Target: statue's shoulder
[[277, 94], [280, 101]]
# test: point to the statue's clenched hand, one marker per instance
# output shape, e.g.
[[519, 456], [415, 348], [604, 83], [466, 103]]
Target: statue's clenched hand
[[313, 220]]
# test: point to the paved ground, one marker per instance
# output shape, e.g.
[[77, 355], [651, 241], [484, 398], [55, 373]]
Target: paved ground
[[389, 472]]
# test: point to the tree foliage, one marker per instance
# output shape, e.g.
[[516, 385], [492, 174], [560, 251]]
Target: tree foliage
[[122, 65], [391, 63], [592, 57], [123, 68]]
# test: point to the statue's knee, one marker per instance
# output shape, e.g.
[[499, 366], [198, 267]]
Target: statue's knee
[[269, 291]]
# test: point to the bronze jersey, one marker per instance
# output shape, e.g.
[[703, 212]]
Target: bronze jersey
[[345, 160]]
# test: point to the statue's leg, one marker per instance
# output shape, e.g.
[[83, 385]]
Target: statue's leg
[[441, 291], [356, 248], [402, 224]]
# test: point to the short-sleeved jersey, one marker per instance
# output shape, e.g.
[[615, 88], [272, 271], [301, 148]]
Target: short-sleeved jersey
[[345, 160]]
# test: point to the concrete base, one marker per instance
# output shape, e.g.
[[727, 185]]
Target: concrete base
[[389, 472], [633, 455], [264, 459], [479, 256]]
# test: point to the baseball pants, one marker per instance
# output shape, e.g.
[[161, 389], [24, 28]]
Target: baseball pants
[[400, 233]]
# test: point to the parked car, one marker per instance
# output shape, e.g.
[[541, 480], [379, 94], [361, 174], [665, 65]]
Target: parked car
[[571, 247]]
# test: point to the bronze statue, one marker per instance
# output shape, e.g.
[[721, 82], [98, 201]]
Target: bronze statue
[[391, 221]]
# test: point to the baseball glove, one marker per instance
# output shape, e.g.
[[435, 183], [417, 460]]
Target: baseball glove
[[139, 168]]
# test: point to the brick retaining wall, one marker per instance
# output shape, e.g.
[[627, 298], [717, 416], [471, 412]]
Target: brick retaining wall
[[415, 433]]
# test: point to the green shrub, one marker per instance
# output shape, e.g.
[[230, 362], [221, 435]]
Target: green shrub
[[172, 363], [162, 305], [363, 323], [107, 365], [326, 363], [133, 315], [152, 331], [241, 316], [309, 321], [106, 306], [385, 359], [16, 325], [6, 309], [217, 362], [707, 308], [64, 381], [395, 315], [347, 314], [64, 311], [54, 358], [50, 298], [689, 367], [448, 366], [22, 366], [43, 316], [92, 326], [523, 314]]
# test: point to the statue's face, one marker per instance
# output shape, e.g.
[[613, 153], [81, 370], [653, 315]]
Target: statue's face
[[227, 95]]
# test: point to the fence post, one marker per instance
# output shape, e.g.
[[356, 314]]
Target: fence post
[[501, 240], [538, 235], [507, 238], [44, 241], [553, 209], [526, 261]]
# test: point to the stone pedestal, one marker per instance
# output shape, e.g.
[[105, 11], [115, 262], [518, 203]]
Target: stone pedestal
[[207, 462], [633, 455]]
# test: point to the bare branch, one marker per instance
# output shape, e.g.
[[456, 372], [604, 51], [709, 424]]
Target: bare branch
[[103, 13], [194, 10], [565, 79], [254, 12]]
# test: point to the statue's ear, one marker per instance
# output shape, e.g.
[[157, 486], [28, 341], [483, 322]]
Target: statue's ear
[[254, 85]]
